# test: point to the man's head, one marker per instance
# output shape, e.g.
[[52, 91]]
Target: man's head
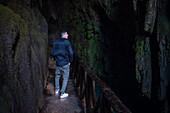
[[64, 34]]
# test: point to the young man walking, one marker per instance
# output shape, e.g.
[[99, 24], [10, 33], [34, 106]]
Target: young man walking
[[63, 54]]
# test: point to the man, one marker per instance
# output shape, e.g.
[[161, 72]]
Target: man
[[63, 54]]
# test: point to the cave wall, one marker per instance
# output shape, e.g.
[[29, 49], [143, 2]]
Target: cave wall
[[152, 51], [23, 57]]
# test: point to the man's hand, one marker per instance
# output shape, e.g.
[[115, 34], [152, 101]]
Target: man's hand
[[53, 59]]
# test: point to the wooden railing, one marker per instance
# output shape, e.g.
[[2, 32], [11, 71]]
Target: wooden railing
[[85, 80]]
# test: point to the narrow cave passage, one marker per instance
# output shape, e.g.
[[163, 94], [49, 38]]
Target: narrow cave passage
[[125, 44]]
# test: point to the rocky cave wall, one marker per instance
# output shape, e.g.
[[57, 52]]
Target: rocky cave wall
[[152, 51], [23, 57]]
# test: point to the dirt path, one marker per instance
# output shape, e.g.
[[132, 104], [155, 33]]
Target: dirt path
[[56, 105]]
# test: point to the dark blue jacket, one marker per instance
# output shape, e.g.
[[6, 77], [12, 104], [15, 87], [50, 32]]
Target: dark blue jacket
[[62, 52]]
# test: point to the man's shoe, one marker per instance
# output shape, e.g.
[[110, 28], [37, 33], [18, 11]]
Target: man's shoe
[[64, 95], [57, 92]]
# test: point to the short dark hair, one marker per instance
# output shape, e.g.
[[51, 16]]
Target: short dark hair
[[63, 32]]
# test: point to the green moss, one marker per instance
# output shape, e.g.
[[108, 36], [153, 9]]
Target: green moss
[[20, 10], [138, 77], [72, 33], [92, 52], [106, 2], [35, 21], [80, 27], [85, 52], [79, 49], [96, 36], [8, 18], [139, 48], [134, 4], [89, 26], [83, 34], [91, 42], [77, 37], [85, 41], [100, 70], [139, 56], [90, 34]]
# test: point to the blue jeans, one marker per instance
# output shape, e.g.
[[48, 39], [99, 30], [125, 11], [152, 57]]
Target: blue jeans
[[65, 69]]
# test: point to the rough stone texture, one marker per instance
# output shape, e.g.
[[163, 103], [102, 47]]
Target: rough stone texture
[[152, 69], [163, 38], [23, 58]]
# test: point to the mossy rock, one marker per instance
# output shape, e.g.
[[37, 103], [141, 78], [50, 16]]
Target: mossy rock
[[24, 61], [9, 20]]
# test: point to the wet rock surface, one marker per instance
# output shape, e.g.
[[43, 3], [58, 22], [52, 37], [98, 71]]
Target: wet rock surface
[[23, 54]]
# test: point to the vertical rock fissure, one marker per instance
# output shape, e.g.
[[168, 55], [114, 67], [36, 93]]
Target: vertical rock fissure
[[14, 46]]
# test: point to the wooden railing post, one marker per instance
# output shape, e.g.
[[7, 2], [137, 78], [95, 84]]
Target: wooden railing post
[[108, 107], [85, 80], [82, 94], [96, 106], [82, 84], [74, 68], [87, 95], [78, 76], [93, 93], [102, 105], [91, 89]]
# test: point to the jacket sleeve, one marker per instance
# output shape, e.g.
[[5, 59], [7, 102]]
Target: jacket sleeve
[[52, 50], [70, 52]]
